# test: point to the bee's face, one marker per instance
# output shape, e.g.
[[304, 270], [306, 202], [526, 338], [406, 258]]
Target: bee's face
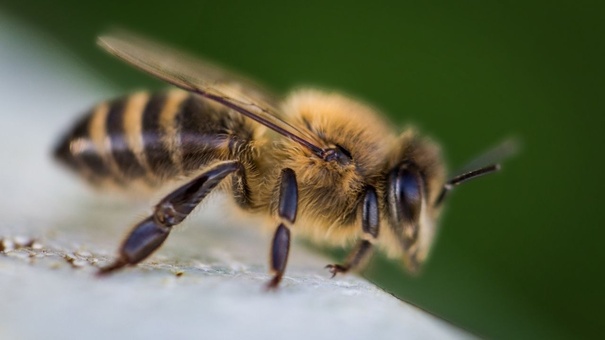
[[413, 184]]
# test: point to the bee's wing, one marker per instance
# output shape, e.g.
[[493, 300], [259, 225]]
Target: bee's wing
[[205, 79], [494, 156], [487, 163]]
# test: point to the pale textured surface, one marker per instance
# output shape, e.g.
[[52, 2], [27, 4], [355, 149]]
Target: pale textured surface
[[205, 283]]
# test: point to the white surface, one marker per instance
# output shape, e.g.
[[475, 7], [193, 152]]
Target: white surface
[[49, 291]]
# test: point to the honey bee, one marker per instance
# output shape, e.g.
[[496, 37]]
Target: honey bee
[[319, 163]]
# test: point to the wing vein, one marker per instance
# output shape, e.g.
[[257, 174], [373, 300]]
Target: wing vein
[[207, 80]]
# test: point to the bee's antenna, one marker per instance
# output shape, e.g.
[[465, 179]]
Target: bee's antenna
[[478, 167], [449, 185]]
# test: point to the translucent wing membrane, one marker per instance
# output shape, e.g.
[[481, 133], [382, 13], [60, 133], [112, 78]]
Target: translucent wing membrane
[[485, 164], [495, 155], [201, 77]]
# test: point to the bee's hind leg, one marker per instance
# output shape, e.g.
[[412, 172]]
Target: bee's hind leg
[[370, 222], [147, 236]]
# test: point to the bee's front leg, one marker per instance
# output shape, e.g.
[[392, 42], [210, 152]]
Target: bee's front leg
[[147, 236], [287, 208], [370, 222]]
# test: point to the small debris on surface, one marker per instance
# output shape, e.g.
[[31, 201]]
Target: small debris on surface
[[84, 253], [74, 261], [23, 242], [8, 244], [31, 250]]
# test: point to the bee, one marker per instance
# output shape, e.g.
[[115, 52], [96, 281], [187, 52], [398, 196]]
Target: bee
[[321, 164]]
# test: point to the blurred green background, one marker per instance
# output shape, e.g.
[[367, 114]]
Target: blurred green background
[[520, 254]]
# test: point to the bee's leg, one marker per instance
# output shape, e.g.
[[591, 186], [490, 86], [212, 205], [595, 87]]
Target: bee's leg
[[370, 222], [148, 235], [287, 207], [241, 190]]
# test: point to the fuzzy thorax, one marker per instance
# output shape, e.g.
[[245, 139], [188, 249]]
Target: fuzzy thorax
[[330, 191]]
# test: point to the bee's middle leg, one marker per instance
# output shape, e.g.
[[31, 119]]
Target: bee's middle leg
[[287, 208], [147, 236], [370, 222]]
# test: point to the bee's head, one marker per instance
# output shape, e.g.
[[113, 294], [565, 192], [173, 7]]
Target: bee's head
[[415, 177], [416, 189]]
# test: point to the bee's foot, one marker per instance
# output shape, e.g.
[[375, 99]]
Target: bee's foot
[[336, 268], [104, 271], [274, 283]]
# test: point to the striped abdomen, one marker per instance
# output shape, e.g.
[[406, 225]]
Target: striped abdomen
[[153, 138]]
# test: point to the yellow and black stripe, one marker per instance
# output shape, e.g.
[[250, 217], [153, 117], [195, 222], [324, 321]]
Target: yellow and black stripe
[[153, 138]]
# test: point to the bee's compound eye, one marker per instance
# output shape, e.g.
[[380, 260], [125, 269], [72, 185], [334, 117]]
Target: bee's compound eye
[[408, 188]]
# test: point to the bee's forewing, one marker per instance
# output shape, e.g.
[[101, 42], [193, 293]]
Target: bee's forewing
[[208, 80]]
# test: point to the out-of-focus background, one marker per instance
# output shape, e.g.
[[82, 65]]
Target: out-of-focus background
[[520, 254]]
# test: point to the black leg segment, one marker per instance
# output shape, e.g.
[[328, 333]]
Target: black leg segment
[[370, 219], [280, 248], [370, 223], [356, 258], [287, 208], [288, 196], [147, 236], [144, 239]]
